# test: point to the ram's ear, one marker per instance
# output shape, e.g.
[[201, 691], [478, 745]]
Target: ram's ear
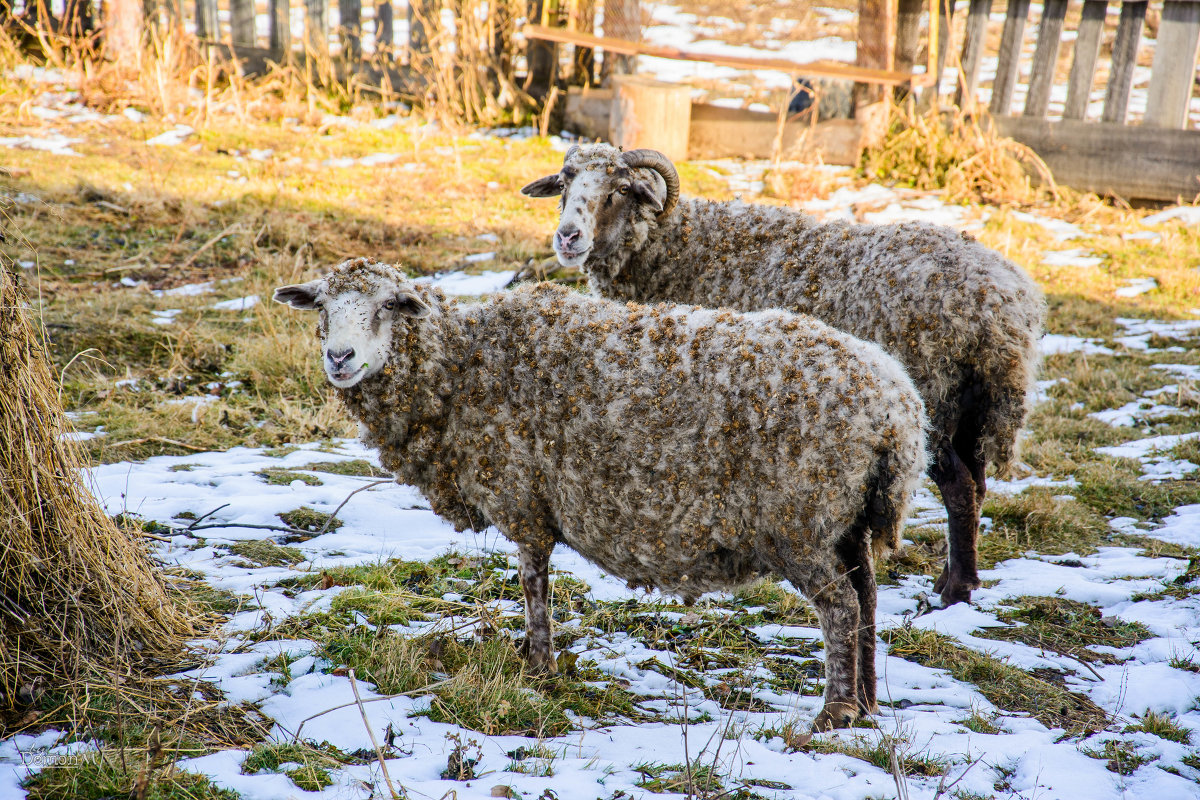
[[301, 295], [549, 186], [409, 305], [651, 190]]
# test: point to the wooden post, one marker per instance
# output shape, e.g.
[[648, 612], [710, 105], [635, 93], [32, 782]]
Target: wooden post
[[876, 44], [1174, 65], [123, 31], [350, 28], [1009, 57], [281, 29], [1083, 59], [972, 53], [316, 27], [206, 20], [421, 13], [241, 23], [384, 35], [945, 20], [1124, 59], [1045, 57], [583, 61], [649, 113], [622, 20], [908, 38], [540, 56]]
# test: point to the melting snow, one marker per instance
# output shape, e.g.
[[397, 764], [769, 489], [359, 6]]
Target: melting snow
[[1056, 343], [1077, 257], [1136, 286], [468, 285]]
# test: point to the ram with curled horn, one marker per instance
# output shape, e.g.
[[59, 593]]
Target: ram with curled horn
[[963, 320]]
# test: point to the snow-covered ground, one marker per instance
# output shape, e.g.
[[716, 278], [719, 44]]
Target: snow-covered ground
[[391, 521]]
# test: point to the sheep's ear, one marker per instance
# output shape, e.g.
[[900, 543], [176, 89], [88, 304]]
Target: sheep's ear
[[301, 295], [409, 305], [549, 186], [650, 192]]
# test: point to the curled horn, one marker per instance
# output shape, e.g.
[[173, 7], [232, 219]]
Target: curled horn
[[652, 159], [572, 150]]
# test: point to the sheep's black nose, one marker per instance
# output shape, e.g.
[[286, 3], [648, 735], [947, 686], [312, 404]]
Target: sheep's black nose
[[339, 359]]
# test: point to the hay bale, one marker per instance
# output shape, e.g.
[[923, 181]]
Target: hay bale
[[77, 593]]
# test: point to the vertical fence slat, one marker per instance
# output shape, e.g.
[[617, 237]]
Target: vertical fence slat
[[350, 28], [974, 40], [281, 28], [316, 26], [206, 20], [1010, 56], [1045, 57], [1124, 59], [908, 33], [241, 22], [1174, 66], [420, 13], [384, 27], [1083, 58]]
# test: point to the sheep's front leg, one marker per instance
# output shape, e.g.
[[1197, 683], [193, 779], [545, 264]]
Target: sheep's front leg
[[535, 583], [836, 602]]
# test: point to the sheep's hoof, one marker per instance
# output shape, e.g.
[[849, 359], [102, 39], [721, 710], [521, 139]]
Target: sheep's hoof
[[541, 663], [835, 715], [868, 709], [954, 590]]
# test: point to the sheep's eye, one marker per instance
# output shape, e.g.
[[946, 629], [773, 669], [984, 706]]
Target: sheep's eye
[[567, 174], [389, 304], [624, 188]]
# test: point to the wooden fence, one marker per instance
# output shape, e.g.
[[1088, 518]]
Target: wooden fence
[[1107, 150]]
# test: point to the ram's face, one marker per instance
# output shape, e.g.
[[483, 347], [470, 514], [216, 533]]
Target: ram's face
[[600, 195], [356, 323]]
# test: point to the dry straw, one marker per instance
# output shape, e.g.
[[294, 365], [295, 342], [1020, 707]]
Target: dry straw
[[80, 595]]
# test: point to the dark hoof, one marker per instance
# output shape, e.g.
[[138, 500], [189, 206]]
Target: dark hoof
[[957, 593], [940, 584], [835, 715]]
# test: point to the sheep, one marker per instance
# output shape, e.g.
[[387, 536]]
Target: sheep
[[963, 320], [679, 448]]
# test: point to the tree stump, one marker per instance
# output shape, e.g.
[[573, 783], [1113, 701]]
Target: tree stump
[[650, 113]]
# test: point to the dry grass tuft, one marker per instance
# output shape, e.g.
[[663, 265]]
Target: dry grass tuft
[[962, 155], [79, 593]]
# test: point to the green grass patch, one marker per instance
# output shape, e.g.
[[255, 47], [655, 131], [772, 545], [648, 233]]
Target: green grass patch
[[980, 722], [1123, 758], [311, 520], [307, 765], [1064, 626], [100, 776], [278, 476], [1034, 520], [700, 781], [889, 753], [264, 553], [1004, 685], [1162, 726], [358, 467]]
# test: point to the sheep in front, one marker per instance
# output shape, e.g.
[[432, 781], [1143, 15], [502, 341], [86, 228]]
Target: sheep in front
[[677, 447], [962, 319]]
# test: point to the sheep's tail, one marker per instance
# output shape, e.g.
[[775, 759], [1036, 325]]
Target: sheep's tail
[[1007, 365], [894, 478]]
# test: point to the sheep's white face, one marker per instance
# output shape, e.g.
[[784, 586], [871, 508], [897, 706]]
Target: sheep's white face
[[599, 195], [356, 325]]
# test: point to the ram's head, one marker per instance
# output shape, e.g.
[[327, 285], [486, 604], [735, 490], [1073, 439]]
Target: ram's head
[[605, 191]]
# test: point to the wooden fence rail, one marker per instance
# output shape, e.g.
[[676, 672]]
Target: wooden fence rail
[[1156, 157]]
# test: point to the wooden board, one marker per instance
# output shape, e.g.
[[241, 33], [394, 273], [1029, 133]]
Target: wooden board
[[719, 132], [1174, 67], [1010, 56], [1124, 60], [241, 23], [1045, 57], [1083, 58], [280, 23], [818, 69], [974, 41], [1127, 161], [206, 20]]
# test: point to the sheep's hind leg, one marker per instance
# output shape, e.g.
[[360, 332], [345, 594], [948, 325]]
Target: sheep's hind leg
[[856, 556], [834, 598], [960, 576], [535, 584]]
